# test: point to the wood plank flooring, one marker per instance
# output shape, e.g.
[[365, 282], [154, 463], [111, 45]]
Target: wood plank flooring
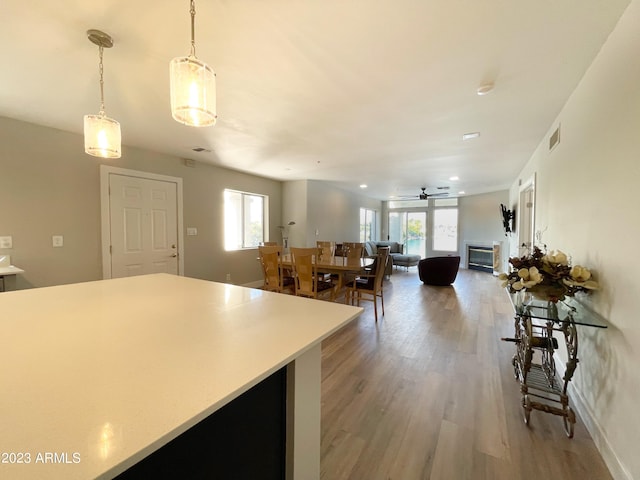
[[429, 393]]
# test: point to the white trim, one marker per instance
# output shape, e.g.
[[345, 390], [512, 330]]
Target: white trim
[[598, 435], [528, 185], [105, 171]]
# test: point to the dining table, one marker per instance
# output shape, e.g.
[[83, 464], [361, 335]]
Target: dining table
[[335, 265]]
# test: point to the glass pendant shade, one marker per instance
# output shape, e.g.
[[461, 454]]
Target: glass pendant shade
[[193, 92], [102, 136]]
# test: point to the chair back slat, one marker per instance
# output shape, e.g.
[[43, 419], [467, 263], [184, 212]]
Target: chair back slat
[[327, 250], [381, 266], [353, 252], [303, 260], [270, 259]]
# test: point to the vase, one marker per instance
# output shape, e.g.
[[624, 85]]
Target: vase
[[548, 293]]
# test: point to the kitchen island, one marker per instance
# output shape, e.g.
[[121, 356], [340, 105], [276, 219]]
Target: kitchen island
[[112, 377]]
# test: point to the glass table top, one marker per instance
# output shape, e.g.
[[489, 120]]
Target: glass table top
[[569, 309]]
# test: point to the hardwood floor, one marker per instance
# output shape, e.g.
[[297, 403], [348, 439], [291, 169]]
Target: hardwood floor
[[429, 393]]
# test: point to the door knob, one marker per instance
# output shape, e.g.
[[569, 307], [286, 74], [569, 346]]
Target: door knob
[[174, 255]]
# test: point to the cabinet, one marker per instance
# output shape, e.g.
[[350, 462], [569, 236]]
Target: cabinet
[[534, 362]]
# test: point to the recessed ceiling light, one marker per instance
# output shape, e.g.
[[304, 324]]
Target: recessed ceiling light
[[484, 89], [454, 178], [469, 136], [461, 192], [363, 185], [201, 149]]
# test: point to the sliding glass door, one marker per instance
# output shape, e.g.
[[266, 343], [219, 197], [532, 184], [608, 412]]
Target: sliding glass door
[[409, 228]]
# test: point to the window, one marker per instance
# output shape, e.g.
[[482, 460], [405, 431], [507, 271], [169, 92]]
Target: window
[[445, 229], [244, 219], [367, 224]]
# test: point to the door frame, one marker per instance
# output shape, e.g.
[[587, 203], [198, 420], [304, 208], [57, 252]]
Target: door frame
[[526, 215], [105, 171]]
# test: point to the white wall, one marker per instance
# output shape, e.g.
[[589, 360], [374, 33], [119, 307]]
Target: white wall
[[586, 207]]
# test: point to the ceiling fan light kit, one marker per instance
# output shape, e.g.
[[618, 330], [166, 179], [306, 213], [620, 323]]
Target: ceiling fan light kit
[[193, 87], [102, 136]]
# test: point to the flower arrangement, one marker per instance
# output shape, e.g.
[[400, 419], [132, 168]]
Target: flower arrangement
[[548, 276]]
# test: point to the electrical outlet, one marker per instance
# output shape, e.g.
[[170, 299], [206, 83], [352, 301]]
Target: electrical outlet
[[6, 242], [228, 277], [57, 240]]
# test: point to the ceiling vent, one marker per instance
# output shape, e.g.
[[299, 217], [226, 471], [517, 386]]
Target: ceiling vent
[[554, 139]]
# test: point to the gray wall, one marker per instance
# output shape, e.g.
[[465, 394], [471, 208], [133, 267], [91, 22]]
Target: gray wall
[[331, 211], [49, 186], [480, 224]]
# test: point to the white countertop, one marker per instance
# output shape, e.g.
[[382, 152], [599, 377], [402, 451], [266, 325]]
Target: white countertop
[[112, 370], [10, 270], [6, 268]]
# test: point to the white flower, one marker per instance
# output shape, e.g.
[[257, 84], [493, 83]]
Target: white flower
[[580, 278], [580, 274], [505, 279], [528, 278], [556, 257]]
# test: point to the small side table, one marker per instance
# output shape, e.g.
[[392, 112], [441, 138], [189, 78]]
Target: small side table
[[535, 321]]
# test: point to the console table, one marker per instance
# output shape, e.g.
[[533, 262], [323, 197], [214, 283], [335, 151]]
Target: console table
[[533, 362], [161, 376]]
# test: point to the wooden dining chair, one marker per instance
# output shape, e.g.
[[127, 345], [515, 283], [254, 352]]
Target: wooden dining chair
[[305, 274], [327, 252], [369, 286], [353, 250], [268, 244], [274, 278], [327, 249]]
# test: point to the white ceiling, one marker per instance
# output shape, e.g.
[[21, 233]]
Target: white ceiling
[[348, 91]]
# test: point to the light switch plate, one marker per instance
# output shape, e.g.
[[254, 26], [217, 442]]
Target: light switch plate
[[6, 242], [57, 240], [192, 231]]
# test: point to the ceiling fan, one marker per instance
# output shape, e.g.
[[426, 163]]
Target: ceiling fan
[[424, 195]]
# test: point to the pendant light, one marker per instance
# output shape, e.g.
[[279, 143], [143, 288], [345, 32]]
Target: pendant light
[[101, 133], [193, 87]]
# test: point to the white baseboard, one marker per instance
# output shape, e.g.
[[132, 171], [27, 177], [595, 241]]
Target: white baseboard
[[577, 402]]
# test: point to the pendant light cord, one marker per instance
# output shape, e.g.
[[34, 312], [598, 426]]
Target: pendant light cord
[[193, 28], [101, 68]]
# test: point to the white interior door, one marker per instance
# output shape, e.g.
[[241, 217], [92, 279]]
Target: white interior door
[[143, 217], [526, 217]]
